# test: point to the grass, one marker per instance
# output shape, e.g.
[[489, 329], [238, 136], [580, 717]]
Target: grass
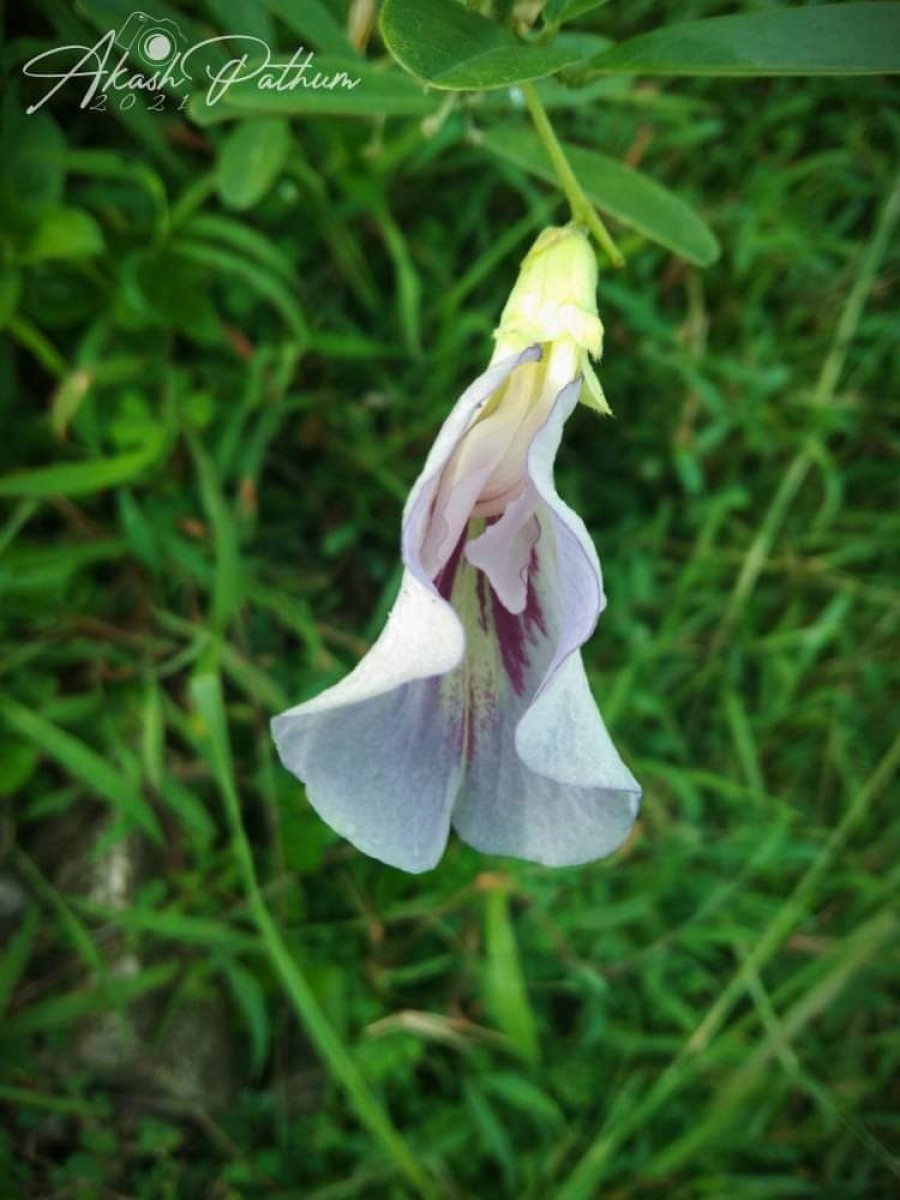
[[213, 416]]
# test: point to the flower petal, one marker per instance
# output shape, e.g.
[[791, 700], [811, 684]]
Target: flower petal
[[546, 782], [503, 551], [417, 513], [507, 808], [383, 773], [380, 752]]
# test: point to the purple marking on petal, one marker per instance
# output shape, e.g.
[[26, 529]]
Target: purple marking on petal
[[446, 577], [481, 591], [516, 630], [471, 735], [482, 715]]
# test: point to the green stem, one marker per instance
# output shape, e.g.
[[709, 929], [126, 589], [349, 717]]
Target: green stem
[[583, 210], [207, 693]]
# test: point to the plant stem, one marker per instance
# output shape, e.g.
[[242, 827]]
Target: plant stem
[[583, 210]]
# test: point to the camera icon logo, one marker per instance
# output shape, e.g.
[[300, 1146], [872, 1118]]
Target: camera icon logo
[[155, 39]]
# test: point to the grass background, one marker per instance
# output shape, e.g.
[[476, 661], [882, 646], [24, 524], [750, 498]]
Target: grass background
[[212, 412]]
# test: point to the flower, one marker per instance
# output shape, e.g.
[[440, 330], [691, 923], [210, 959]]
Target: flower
[[473, 708]]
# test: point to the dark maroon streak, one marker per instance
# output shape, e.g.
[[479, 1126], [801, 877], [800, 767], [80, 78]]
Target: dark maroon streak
[[481, 591], [446, 576], [533, 614], [515, 631]]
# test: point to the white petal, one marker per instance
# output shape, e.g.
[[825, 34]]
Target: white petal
[[380, 752], [503, 551], [423, 637], [509, 807], [383, 773], [418, 509], [542, 779], [546, 782]]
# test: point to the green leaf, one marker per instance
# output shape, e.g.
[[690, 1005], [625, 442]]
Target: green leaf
[[33, 151], [10, 294], [84, 763], [77, 478], [451, 47], [409, 285], [240, 236], [830, 39], [251, 1001], [16, 953], [505, 992], [170, 291], [17, 763], [242, 17], [625, 194], [228, 590], [67, 1007], [493, 1134], [41, 570], [65, 233], [526, 1097], [313, 22], [359, 90], [558, 11], [173, 926], [261, 280], [251, 159]]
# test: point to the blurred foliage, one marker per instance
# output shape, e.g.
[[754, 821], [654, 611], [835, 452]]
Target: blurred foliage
[[227, 348]]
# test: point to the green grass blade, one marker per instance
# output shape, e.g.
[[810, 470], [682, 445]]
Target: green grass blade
[[206, 690], [85, 764]]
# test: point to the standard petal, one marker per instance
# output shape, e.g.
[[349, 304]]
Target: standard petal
[[417, 513], [578, 579], [545, 782], [380, 752]]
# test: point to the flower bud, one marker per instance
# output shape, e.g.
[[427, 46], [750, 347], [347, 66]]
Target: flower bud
[[554, 304]]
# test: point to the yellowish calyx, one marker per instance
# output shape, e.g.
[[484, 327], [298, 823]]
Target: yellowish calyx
[[554, 304]]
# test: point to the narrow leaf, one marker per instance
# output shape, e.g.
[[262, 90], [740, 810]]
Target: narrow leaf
[[558, 11], [73, 1006], [625, 194], [505, 990], [78, 478], [251, 1000], [452, 47], [228, 589], [16, 953], [260, 279], [356, 89], [65, 233], [251, 159], [84, 763], [313, 22], [828, 39]]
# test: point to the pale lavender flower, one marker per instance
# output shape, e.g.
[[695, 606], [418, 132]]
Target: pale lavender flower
[[473, 708]]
